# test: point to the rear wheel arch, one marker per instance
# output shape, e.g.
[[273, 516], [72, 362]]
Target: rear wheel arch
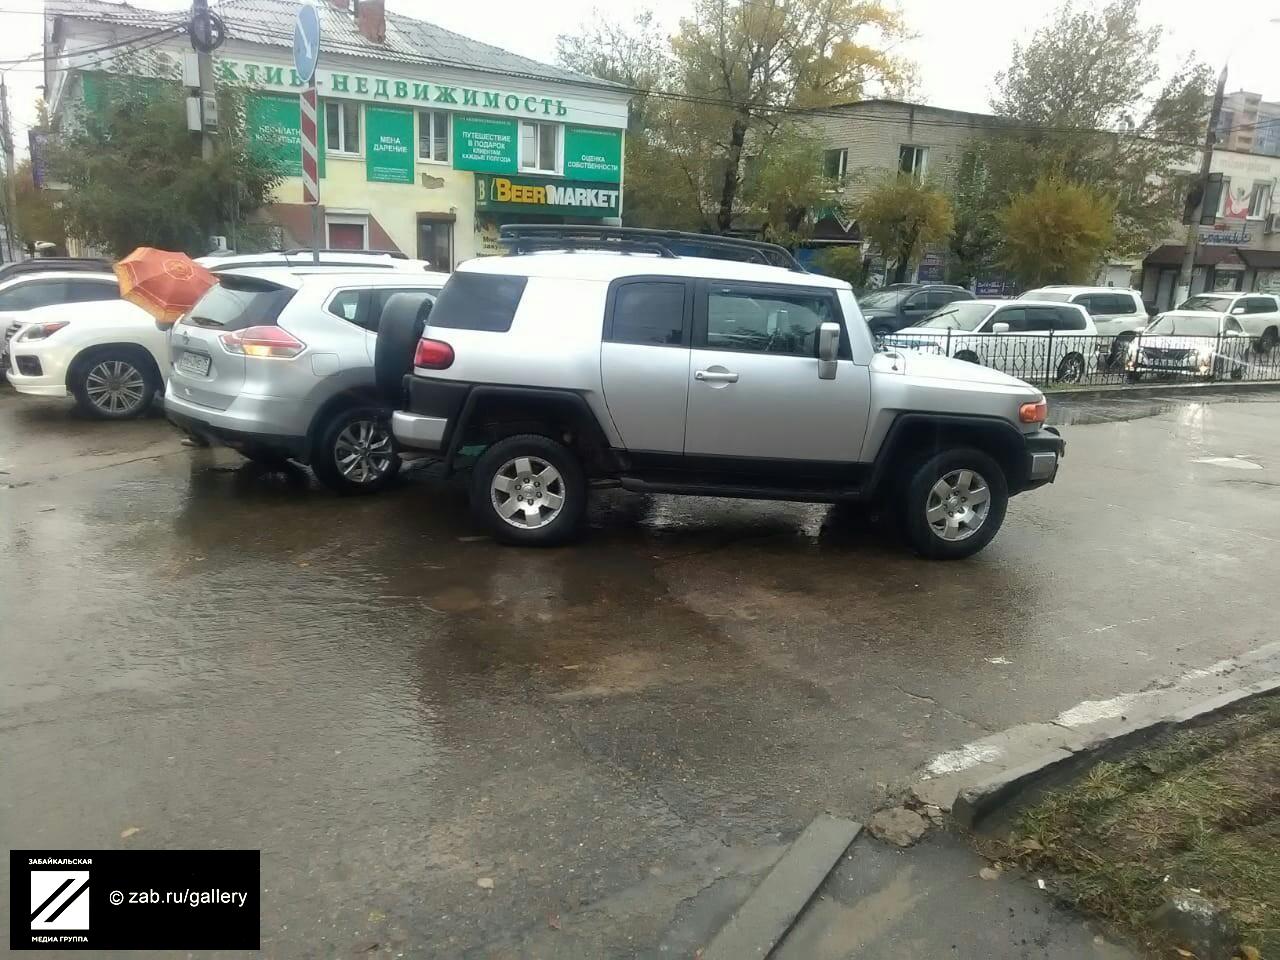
[[491, 415], [364, 396]]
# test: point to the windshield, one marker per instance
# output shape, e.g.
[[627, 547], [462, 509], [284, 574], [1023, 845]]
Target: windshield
[[962, 315], [1205, 302], [1173, 326], [883, 298], [1046, 295]]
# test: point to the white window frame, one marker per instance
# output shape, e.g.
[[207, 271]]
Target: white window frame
[[923, 152], [346, 219], [329, 148], [541, 125], [429, 116]]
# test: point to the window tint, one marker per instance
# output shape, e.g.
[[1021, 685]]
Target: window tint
[[1041, 319], [377, 302], [85, 291], [1258, 305], [36, 293], [478, 301], [235, 303], [1232, 325], [918, 302], [1015, 317], [1068, 318], [766, 321], [938, 298], [1089, 301], [346, 304], [650, 312], [1125, 303]]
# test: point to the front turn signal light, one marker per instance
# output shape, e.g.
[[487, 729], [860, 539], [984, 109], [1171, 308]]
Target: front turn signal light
[[1034, 412]]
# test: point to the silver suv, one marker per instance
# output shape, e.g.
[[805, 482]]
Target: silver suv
[[279, 365], [602, 355]]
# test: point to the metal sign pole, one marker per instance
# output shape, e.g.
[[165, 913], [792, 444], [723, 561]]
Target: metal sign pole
[[306, 52]]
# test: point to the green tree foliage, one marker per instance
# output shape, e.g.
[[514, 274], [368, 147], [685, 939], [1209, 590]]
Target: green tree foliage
[[724, 89], [900, 216], [136, 176], [843, 263], [1076, 98], [40, 218], [1057, 232]]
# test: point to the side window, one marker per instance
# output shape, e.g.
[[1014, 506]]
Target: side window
[[1258, 305], [917, 303], [346, 304], [767, 321], [1127, 303], [1232, 325], [37, 293], [86, 291], [649, 312], [377, 302], [1090, 302], [1041, 319], [1015, 317], [1068, 318], [938, 298]]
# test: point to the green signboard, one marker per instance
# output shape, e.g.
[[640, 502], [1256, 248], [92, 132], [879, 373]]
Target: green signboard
[[485, 144], [388, 145], [546, 195], [591, 153], [273, 127]]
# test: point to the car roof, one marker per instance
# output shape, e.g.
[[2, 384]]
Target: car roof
[[1067, 288], [56, 274], [297, 278], [987, 301], [605, 265]]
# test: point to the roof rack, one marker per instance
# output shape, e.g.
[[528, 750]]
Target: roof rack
[[530, 237], [306, 251]]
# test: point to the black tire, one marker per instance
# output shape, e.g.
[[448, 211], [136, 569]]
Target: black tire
[[1119, 351], [570, 484], [919, 491], [968, 356], [399, 330], [1071, 369], [1268, 341], [1132, 376], [114, 383], [377, 454]]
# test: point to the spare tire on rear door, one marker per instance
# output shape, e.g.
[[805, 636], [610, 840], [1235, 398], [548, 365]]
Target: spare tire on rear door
[[399, 331]]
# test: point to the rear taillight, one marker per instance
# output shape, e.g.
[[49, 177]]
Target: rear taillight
[[263, 342], [433, 354]]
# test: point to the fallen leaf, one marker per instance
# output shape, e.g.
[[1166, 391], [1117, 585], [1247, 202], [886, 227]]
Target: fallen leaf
[[485, 883], [1250, 953], [1183, 953], [989, 873], [1031, 843], [128, 832], [553, 921], [376, 916]]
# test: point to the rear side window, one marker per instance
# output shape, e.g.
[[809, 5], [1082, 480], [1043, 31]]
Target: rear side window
[[478, 301], [1126, 303], [235, 303], [86, 291], [1015, 317], [649, 312]]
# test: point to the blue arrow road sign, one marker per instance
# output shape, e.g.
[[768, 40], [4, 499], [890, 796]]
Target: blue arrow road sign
[[306, 42]]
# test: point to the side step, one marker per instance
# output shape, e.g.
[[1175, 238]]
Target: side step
[[815, 495], [769, 913]]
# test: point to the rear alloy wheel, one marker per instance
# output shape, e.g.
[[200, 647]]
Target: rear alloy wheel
[[954, 504], [357, 452], [113, 386], [530, 490], [1071, 369]]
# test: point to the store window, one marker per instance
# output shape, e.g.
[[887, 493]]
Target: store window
[[911, 160], [347, 232], [435, 241], [342, 127], [539, 147], [433, 136]]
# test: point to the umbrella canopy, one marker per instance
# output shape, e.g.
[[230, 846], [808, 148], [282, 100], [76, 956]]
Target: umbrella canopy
[[164, 284]]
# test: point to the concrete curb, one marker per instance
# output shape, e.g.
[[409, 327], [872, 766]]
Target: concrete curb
[[985, 776], [1157, 389]]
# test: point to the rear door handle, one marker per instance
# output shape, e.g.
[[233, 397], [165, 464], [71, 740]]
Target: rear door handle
[[715, 376]]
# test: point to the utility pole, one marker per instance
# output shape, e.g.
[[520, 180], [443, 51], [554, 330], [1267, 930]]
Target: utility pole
[[1193, 229], [10, 181], [203, 45]]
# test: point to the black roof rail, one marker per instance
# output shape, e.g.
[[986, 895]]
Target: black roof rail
[[528, 237], [306, 251]]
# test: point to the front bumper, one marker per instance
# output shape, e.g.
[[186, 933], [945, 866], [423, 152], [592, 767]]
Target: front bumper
[[52, 380], [1045, 450]]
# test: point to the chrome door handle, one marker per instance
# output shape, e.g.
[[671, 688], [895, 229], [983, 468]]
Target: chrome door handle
[[714, 376]]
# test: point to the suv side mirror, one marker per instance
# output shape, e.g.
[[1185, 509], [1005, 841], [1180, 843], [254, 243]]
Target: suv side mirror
[[1238, 309], [999, 327], [828, 350]]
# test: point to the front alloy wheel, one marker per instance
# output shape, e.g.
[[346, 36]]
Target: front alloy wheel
[[112, 386], [953, 503], [957, 505]]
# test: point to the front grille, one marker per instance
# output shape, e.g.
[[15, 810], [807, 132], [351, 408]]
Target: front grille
[[28, 366], [1168, 355], [11, 330]]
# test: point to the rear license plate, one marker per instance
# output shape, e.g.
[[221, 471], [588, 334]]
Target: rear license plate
[[196, 363]]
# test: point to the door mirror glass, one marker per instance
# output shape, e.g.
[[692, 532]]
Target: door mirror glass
[[828, 350], [1235, 332], [1238, 309], [999, 327]]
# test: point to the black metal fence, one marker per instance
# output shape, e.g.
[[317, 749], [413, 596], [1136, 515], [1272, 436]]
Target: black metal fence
[[1062, 360]]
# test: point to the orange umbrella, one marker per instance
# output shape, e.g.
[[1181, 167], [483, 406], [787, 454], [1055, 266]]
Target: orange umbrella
[[164, 284]]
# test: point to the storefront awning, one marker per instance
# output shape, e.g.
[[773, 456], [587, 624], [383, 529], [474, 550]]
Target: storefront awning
[[1260, 259], [1207, 255]]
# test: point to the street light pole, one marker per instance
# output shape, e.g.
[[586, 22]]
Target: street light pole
[[204, 61], [1206, 161]]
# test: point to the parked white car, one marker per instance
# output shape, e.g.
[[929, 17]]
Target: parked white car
[[110, 356], [30, 290], [1116, 312], [1011, 335], [1257, 313], [1190, 343]]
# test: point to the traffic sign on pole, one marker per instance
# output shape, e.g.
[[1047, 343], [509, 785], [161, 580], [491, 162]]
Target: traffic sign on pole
[[306, 42]]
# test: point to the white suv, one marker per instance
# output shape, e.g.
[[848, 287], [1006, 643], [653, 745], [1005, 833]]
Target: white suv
[[602, 355], [1116, 312], [1257, 313]]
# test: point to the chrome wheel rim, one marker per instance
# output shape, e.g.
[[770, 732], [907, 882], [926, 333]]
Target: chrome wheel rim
[[1071, 370], [527, 492], [957, 505], [364, 451], [115, 386]]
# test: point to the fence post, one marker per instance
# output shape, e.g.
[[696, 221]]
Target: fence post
[[948, 341], [1048, 361], [1213, 375]]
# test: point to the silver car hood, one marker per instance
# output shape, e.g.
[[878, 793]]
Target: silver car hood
[[934, 367]]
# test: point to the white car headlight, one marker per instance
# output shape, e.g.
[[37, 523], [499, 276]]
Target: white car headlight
[[42, 331]]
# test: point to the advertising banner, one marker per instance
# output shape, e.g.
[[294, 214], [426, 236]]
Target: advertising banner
[[546, 195], [388, 148], [484, 144], [591, 153]]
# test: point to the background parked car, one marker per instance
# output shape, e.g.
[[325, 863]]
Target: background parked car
[[1257, 313], [900, 305], [1189, 343], [1116, 312], [27, 290], [330, 260], [279, 364], [109, 355], [1011, 335], [51, 264]]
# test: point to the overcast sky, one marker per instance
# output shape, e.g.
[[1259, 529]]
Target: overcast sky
[[958, 46]]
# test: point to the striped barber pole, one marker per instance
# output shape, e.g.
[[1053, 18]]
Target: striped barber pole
[[310, 165]]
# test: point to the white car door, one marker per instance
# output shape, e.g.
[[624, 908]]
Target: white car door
[[1019, 351]]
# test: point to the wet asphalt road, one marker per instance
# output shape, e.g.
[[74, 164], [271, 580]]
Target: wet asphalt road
[[621, 734]]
